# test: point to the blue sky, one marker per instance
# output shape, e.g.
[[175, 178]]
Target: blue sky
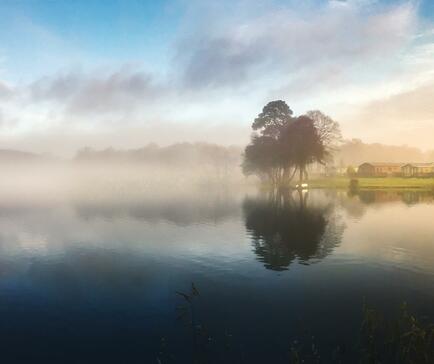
[[123, 73], [89, 32]]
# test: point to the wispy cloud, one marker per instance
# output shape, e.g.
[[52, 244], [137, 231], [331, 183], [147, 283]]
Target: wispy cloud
[[122, 90], [401, 118], [228, 59], [5, 90], [286, 43], [403, 108]]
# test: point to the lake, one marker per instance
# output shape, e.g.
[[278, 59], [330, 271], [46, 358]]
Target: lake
[[103, 279]]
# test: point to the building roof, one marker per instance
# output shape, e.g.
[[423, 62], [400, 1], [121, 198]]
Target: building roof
[[384, 164], [430, 164]]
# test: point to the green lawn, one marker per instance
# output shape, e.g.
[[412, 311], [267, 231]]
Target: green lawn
[[374, 183]]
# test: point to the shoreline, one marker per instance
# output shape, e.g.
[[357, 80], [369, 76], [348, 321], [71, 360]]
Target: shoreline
[[372, 183]]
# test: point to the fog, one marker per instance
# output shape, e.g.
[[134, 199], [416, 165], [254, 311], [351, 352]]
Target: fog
[[355, 152], [130, 176], [177, 169]]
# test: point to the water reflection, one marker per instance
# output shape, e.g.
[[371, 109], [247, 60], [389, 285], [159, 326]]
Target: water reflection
[[284, 227], [383, 196], [358, 203], [185, 209], [105, 269]]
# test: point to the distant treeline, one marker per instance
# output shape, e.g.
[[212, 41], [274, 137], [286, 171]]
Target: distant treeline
[[351, 152], [175, 154], [355, 152], [16, 155]]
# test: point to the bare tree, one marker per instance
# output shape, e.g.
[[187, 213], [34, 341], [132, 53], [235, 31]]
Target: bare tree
[[328, 130]]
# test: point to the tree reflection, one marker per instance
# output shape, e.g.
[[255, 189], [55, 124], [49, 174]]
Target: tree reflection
[[284, 228]]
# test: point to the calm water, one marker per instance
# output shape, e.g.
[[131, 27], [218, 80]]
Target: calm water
[[95, 280]]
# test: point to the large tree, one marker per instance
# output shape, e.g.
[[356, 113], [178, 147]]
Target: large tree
[[282, 145], [302, 144], [262, 157]]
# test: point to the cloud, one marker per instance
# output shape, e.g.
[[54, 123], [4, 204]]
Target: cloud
[[405, 118], [229, 59], [122, 91], [407, 107], [287, 42], [5, 91], [6, 121]]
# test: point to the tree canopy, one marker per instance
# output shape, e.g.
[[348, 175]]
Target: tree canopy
[[328, 129], [284, 144], [273, 118]]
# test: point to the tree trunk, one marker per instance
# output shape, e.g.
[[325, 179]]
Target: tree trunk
[[305, 174], [300, 174], [292, 175]]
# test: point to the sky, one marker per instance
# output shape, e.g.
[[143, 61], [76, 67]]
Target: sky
[[126, 73]]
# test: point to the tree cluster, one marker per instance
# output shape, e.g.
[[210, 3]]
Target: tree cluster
[[283, 144]]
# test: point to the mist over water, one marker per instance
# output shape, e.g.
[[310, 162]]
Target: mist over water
[[55, 180], [92, 256]]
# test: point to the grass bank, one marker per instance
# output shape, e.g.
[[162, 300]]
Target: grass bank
[[426, 184]]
